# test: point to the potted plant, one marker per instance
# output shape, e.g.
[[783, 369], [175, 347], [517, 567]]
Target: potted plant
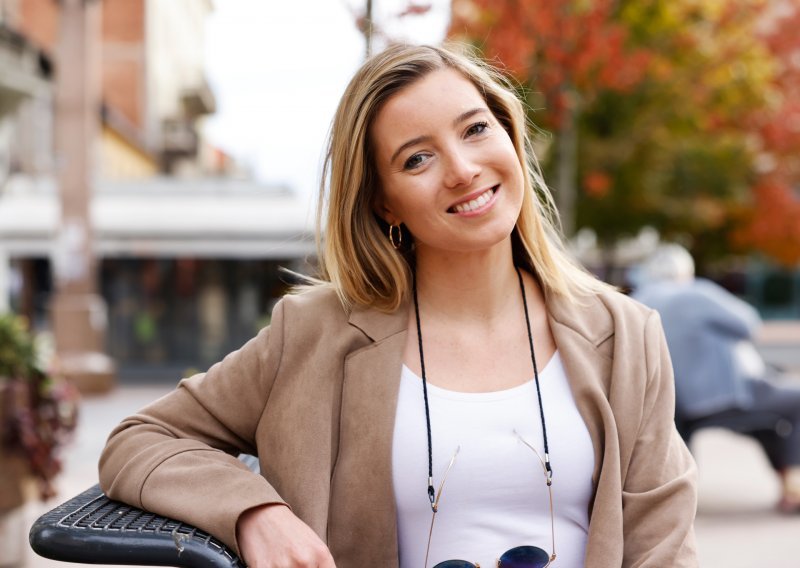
[[38, 410]]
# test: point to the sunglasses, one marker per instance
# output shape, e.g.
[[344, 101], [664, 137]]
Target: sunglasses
[[517, 557]]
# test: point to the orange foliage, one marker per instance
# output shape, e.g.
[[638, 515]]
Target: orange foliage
[[596, 184], [774, 223], [553, 46]]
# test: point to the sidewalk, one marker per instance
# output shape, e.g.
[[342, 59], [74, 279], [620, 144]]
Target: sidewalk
[[736, 524]]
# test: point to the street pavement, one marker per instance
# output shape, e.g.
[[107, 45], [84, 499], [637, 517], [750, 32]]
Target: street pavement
[[737, 525]]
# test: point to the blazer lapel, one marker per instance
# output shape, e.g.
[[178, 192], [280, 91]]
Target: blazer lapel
[[584, 335], [580, 330], [362, 527]]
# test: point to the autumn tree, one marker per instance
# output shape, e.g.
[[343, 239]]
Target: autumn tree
[[664, 108], [677, 151], [772, 225]]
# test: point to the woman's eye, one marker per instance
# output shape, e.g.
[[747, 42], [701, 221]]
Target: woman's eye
[[477, 128], [414, 161]]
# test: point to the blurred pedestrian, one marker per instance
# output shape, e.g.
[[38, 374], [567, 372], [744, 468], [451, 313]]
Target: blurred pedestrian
[[721, 379], [411, 362]]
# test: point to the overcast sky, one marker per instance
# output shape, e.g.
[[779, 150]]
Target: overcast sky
[[278, 69]]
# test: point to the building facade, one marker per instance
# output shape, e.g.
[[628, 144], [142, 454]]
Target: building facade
[[188, 249]]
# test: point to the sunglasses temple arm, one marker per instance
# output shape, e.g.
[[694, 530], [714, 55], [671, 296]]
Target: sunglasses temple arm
[[548, 474], [435, 503], [552, 525], [430, 535]]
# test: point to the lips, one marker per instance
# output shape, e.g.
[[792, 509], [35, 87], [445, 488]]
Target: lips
[[474, 203]]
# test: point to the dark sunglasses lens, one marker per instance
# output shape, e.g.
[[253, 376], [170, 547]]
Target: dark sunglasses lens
[[524, 557], [455, 564]]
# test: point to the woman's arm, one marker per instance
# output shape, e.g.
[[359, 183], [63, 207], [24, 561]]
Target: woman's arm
[[659, 492], [177, 456]]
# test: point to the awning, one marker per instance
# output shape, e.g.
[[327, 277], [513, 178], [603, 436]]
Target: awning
[[165, 217]]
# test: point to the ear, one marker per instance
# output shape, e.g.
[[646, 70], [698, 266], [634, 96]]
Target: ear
[[382, 209]]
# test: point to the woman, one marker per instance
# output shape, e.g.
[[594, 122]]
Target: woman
[[449, 339]]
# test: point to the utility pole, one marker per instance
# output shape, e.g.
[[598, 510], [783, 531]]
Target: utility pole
[[368, 28], [78, 312]]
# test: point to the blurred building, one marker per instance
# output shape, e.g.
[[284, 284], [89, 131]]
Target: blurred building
[[26, 122], [189, 247], [155, 93]]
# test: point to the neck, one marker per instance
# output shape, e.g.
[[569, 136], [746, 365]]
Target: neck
[[465, 285]]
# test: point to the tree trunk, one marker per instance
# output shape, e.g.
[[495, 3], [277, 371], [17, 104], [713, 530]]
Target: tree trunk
[[567, 171]]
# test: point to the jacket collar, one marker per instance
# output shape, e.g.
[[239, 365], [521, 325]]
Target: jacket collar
[[379, 325], [588, 317]]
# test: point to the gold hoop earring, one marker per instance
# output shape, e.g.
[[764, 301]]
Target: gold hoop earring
[[397, 241]]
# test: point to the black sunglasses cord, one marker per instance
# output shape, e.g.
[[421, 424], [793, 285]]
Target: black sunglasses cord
[[431, 492]]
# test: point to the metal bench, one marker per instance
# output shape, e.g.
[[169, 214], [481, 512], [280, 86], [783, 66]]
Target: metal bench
[[90, 528], [736, 422]]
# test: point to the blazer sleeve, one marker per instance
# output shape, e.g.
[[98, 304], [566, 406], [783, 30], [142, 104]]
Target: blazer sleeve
[[659, 492], [177, 456]]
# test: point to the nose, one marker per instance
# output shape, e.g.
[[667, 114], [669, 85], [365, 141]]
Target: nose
[[460, 168]]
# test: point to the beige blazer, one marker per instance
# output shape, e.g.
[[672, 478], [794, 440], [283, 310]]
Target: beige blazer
[[314, 395]]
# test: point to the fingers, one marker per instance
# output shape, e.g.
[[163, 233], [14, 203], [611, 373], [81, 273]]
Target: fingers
[[297, 559], [312, 555]]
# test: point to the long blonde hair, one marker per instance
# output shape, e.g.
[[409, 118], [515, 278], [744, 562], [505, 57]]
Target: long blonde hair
[[355, 255]]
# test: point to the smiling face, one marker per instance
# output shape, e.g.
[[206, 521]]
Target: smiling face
[[448, 170]]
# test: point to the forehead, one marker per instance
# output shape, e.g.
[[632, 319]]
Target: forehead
[[436, 98]]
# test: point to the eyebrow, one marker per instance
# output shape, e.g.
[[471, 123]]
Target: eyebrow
[[459, 119]]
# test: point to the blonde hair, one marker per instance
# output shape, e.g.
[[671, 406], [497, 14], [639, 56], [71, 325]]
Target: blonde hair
[[356, 257]]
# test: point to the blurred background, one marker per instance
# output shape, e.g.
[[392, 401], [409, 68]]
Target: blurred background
[[160, 159]]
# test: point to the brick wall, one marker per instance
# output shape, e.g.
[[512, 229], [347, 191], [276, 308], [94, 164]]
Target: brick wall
[[123, 49], [124, 58], [38, 21]]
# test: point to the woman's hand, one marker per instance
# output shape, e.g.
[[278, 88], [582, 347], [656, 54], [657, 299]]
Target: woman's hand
[[271, 536]]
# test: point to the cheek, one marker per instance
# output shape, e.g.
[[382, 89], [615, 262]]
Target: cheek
[[511, 153], [513, 165], [396, 207], [408, 198]]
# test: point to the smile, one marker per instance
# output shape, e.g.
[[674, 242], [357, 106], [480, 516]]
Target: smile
[[474, 204]]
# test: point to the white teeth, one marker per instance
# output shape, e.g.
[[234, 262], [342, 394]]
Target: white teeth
[[473, 204]]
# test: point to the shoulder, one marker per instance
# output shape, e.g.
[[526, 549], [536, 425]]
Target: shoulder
[[620, 305], [313, 312], [602, 316], [320, 302], [316, 317]]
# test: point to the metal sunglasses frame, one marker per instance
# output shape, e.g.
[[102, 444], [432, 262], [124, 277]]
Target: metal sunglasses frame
[[548, 480]]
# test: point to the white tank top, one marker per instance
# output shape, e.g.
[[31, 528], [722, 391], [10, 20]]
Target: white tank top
[[495, 496]]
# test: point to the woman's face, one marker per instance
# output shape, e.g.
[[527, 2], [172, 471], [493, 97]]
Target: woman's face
[[447, 167]]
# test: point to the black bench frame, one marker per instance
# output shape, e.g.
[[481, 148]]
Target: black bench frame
[[90, 528]]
